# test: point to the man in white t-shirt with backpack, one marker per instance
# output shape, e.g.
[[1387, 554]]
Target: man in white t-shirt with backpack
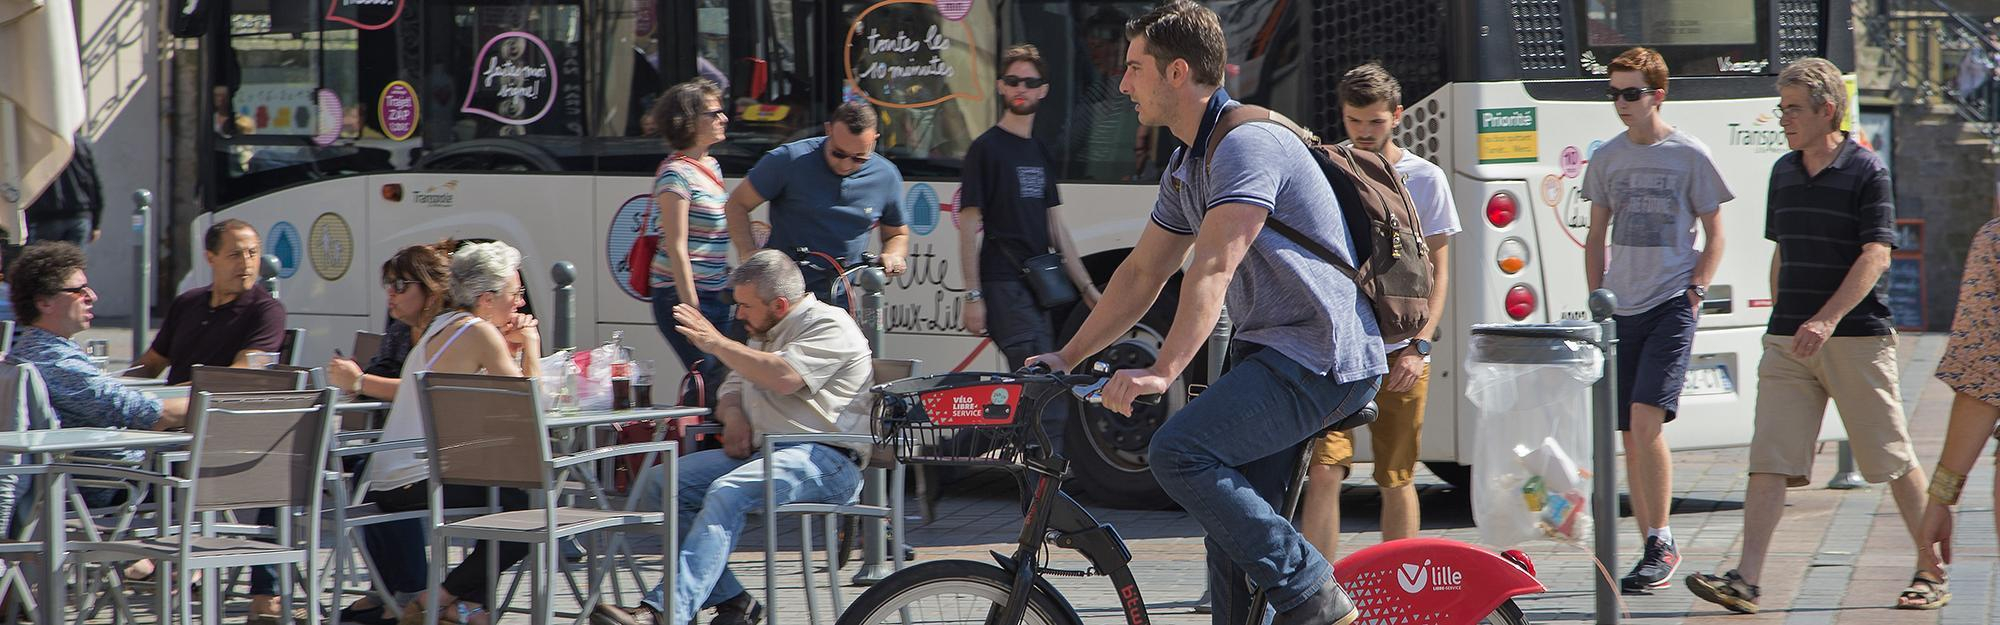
[[1371, 106]]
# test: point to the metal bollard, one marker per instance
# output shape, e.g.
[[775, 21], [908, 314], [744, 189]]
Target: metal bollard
[[142, 252], [874, 489], [267, 272], [1844, 475], [1604, 412], [564, 275]]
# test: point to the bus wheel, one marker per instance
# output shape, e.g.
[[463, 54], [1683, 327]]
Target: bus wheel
[[1458, 475], [1106, 450]]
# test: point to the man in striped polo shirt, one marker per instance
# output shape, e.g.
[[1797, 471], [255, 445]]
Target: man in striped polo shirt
[[1832, 214]]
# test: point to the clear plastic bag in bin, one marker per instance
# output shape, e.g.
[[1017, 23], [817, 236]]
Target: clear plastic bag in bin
[[1531, 461]]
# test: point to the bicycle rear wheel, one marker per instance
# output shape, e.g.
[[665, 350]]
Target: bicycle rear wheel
[[950, 592]]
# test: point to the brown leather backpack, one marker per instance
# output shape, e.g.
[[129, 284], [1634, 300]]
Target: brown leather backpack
[[1393, 268]]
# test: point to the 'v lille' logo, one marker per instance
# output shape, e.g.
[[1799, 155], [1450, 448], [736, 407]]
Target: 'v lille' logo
[[1414, 577]]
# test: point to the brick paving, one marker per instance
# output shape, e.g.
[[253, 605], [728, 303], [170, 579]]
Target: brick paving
[[1839, 557]]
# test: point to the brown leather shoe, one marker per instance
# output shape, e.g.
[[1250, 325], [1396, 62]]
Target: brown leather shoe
[[642, 614]]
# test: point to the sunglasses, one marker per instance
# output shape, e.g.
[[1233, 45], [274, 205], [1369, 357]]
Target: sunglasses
[[77, 290], [1015, 81], [1631, 94], [399, 286], [859, 159], [714, 114]]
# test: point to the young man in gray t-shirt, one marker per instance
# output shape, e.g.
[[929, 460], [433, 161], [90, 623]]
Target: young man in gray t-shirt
[[1307, 348], [1648, 187]]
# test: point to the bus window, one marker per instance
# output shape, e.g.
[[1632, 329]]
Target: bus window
[[929, 77], [284, 99], [1091, 127], [1696, 37]]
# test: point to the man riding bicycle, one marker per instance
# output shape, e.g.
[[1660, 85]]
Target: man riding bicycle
[[1307, 350]]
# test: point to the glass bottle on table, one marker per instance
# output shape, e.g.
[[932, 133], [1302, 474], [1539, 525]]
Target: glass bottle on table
[[621, 373]]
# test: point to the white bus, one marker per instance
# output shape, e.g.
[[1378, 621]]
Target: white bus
[[347, 130]]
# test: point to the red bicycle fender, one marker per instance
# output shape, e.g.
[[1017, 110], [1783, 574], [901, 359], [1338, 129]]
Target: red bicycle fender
[[1430, 580]]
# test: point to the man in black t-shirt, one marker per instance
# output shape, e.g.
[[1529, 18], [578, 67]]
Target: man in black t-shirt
[[1832, 214], [1008, 186]]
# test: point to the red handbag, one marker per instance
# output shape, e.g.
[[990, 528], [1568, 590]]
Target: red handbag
[[639, 261]]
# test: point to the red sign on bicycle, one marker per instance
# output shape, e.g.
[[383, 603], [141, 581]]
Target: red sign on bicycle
[[983, 404]]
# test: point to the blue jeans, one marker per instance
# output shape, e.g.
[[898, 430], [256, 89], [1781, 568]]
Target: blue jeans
[[72, 229], [716, 492], [1228, 457], [720, 315]]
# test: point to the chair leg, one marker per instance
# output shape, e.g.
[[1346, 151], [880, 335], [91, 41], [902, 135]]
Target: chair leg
[[833, 523], [806, 568]]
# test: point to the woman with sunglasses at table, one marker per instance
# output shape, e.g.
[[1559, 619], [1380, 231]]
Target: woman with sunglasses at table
[[415, 280], [692, 263], [481, 332]]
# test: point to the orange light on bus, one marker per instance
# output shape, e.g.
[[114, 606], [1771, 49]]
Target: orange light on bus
[[1512, 255], [1500, 209], [1520, 302]]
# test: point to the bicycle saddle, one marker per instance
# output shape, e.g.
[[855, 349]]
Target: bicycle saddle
[[1358, 418]]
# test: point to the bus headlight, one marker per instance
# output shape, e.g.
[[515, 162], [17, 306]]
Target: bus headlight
[[1512, 255]]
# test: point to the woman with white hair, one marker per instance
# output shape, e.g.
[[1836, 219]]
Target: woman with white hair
[[479, 332]]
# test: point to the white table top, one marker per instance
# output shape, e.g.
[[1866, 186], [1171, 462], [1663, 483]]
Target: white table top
[[605, 417], [79, 439]]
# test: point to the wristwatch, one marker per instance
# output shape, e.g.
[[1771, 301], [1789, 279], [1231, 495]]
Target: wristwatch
[[1699, 291], [973, 295], [1422, 347]]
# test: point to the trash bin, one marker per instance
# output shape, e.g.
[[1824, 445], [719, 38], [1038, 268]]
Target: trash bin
[[1531, 462]]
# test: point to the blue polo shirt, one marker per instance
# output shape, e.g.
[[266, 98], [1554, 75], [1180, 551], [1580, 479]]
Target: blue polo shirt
[[814, 208]]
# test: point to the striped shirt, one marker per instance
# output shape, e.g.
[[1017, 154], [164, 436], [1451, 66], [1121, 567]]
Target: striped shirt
[[707, 233], [1820, 223]]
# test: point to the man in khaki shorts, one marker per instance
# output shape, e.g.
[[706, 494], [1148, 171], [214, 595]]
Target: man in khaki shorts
[[1371, 105], [1831, 337]]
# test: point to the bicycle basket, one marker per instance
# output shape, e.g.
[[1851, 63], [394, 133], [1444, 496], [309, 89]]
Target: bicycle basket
[[952, 418]]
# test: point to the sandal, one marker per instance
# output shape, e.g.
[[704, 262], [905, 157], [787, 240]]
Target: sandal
[[1924, 593], [365, 615], [461, 614]]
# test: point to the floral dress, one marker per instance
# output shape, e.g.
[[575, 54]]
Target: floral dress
[[1971, 363]]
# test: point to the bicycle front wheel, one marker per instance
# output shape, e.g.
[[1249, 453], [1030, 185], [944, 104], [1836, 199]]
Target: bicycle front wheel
[[950, 592]]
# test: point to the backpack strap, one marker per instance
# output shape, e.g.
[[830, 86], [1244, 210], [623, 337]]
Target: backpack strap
[[1246, 115]]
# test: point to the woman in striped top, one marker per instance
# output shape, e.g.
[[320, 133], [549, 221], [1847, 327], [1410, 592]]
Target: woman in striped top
[[693, 260]]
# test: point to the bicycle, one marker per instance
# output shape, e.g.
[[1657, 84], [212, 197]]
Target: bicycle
[[928, 420]]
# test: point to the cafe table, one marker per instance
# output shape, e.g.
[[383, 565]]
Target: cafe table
[[43, 445]]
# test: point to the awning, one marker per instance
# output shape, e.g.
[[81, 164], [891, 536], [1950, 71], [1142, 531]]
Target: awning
[[41, 102]]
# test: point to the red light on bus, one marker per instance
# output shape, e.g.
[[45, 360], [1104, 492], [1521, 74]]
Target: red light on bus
[[1500, 209], [1520, 302]]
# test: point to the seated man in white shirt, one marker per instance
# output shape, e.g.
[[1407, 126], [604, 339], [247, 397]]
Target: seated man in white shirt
[[807, 369]]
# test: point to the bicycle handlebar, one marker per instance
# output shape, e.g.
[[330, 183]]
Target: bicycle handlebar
[[1087, 387]]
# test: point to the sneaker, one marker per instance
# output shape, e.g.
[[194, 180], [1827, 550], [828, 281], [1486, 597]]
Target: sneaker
[[1727, 590], [1655, 570]]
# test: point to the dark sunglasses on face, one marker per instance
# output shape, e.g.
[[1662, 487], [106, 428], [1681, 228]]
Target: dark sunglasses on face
[[399, 286], [859, 159], [77, 290], [1015, 81], [713, 114], [1631, 94]]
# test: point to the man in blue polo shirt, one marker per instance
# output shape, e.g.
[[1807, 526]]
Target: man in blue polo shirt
[[826, 193], [1306, 346]]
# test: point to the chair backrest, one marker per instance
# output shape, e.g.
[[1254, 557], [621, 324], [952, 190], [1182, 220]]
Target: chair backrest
[[366, 346], [484, 430], [291, 351], [891, 369], [6, 336], [315, 376], [24, 405], [235, 380], [258, 449]]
